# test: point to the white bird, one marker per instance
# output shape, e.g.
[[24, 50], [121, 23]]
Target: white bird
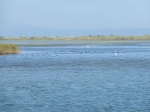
[[87, 46], [116, 53]]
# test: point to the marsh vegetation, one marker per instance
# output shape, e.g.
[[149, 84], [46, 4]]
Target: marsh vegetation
[[89, 37], [8, 49]]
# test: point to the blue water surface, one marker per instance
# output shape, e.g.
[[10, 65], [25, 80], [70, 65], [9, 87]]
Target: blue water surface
[[85, 78]]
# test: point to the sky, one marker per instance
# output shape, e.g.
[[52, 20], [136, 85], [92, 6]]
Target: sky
[[73, 15]]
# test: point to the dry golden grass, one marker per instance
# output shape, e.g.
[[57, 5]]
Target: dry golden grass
[[89, 37], [8, 49]]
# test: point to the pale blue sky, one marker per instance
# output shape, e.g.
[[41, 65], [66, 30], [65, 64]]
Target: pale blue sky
[[75, 14]]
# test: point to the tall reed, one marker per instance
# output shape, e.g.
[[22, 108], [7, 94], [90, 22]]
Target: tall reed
[[8, 49]]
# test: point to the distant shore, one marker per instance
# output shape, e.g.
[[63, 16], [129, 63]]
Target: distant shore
[[71, 41], [8, 49], [89, 37]]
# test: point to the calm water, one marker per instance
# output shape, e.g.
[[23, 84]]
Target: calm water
[[76, 79]]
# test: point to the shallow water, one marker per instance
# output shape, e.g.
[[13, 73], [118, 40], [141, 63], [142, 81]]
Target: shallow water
[[76, 79]]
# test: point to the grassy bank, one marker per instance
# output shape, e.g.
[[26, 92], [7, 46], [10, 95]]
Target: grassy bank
[[8, 49], [89, 37]]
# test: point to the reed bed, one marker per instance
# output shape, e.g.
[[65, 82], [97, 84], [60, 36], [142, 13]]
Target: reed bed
[[8, 49]]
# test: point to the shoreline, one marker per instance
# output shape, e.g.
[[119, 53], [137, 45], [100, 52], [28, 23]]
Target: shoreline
[[80, 38], [59, 43]]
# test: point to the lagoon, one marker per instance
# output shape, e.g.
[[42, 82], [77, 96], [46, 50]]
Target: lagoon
[[76, 78]]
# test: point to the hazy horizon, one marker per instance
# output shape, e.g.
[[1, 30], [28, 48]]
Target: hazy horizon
[[65, 17]]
